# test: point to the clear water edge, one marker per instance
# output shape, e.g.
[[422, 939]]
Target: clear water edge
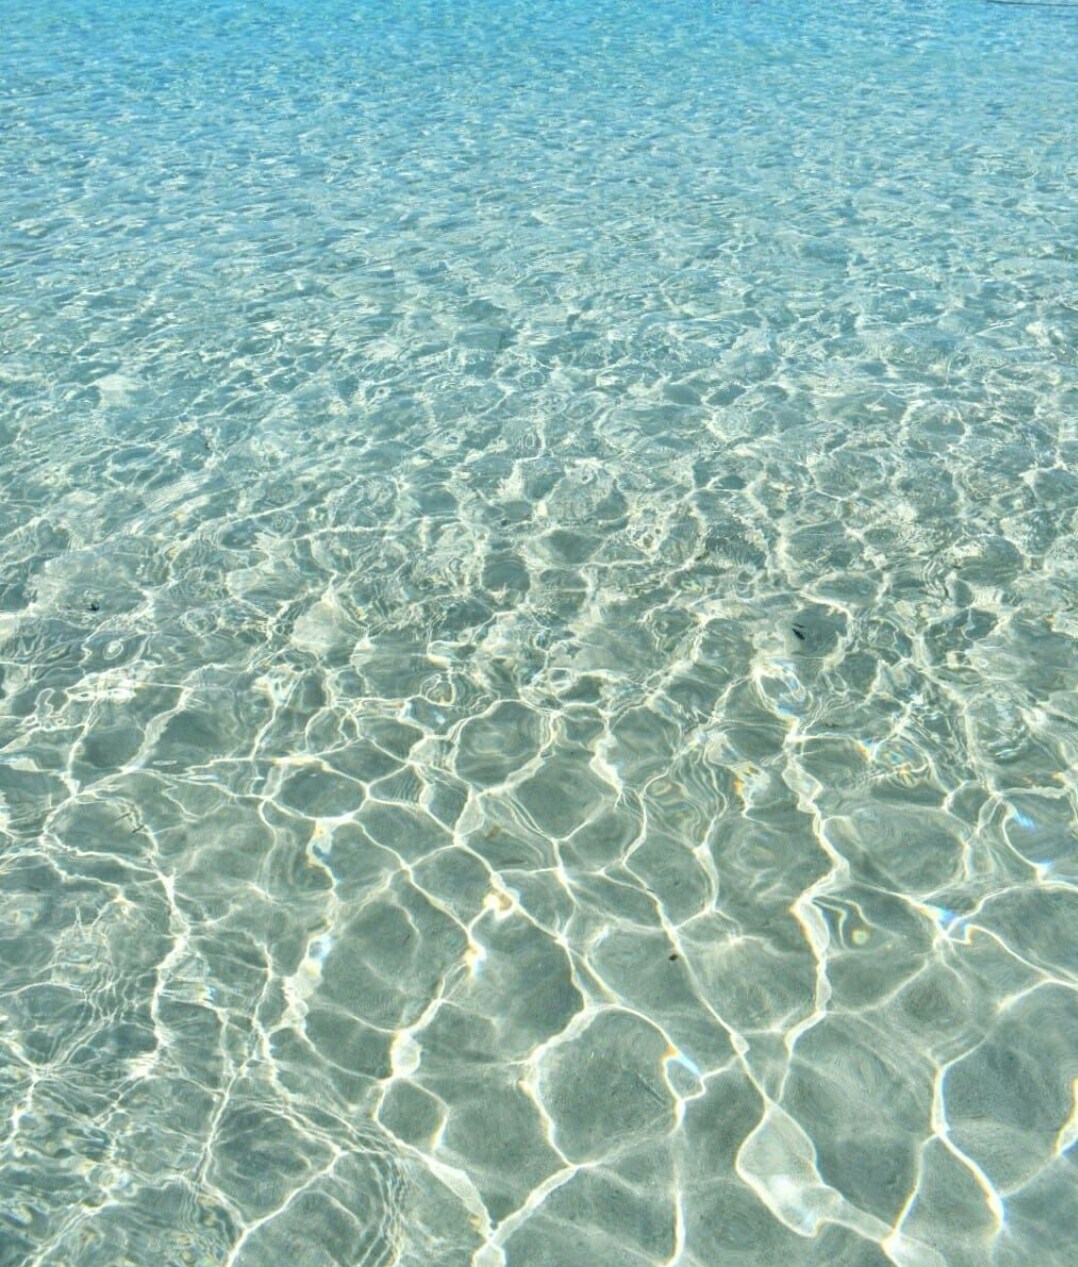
[[537, 607]]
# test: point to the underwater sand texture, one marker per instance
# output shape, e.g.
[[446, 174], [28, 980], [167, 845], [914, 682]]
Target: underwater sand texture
[[537, 634]]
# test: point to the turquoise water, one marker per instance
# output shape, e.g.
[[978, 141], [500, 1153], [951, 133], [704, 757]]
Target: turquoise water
[[537, 609]]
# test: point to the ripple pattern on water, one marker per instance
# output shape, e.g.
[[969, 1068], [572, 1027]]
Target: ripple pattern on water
[[537, 634]]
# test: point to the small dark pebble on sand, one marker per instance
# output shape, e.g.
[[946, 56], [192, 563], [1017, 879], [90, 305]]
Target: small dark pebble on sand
[[672, 957], [799, 634], [95, 607]]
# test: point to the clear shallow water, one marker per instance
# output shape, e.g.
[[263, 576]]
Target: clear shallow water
[[537, 597]]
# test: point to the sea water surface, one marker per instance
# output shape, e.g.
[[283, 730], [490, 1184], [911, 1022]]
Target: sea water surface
[[538, 588]]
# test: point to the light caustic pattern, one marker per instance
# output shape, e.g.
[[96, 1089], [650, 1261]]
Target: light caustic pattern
[[537, 611]]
